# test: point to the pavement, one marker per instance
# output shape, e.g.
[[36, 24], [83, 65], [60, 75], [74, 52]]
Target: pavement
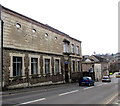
[[8, 92], [40, 88]]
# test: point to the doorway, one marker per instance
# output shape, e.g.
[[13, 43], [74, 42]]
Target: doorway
[[66, 73]]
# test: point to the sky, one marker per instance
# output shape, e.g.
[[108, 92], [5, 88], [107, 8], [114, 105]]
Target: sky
[[94, 22]]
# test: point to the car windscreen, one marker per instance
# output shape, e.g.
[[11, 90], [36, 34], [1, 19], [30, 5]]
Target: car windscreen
[[86, 78], [105, 78]]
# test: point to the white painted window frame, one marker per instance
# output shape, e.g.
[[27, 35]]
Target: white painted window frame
[[72, 48], [46, 57], [72, 65], [66, 47], [11, 63], [77, 65], [34, 56], [77, 50], [59, 65]]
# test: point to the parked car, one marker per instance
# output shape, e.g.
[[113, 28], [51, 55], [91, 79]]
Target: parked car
[[86, 81], [106, 79], [118, 75]]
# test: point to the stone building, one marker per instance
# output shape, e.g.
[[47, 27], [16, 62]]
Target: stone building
[[117, 57], [92, 67], [95, 66], [37, 54], [104, 65], [88, 67]]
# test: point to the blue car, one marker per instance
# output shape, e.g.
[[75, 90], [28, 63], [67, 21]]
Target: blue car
[[86, 81]]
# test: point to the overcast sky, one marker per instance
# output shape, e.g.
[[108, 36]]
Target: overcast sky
[[94, 22]]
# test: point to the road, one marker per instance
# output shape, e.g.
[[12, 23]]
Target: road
[[101, 93]]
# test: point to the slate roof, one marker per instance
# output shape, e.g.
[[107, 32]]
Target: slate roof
[[101, 59], [95, 58]]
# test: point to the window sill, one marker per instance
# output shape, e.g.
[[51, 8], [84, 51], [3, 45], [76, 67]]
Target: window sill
[[47, 75], [78, 54], [66, 53], [57, 74], [35, 76], [72, 53], [17, 78]]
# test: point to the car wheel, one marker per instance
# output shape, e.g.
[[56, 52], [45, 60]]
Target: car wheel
[[89, 84]]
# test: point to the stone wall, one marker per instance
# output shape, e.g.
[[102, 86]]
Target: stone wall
[[104, 68], [27, 79], [86, 66], [26, 34], [34, 80]]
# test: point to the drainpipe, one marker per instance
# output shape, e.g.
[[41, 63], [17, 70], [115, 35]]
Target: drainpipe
[[1, 49], [1, 54]]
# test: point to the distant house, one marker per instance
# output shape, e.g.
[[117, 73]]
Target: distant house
[[112, 62], [98, 65], [37, 54], [91, 68], [117, 56], [104, 65]]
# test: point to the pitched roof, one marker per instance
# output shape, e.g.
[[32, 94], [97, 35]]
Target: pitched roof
[[101, 59]]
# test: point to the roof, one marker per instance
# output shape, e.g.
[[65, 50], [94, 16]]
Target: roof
[[101, 59], [36, 22], [94, 58]]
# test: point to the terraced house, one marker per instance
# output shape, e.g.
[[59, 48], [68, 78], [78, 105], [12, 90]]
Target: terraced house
[[36, 54]]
